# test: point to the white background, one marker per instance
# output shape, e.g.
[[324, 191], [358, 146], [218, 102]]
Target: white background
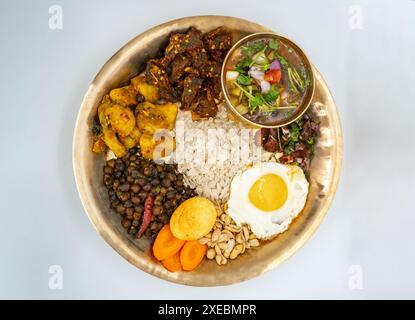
[[44, 75]]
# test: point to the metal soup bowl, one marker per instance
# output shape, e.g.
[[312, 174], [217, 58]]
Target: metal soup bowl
[[306, 100]]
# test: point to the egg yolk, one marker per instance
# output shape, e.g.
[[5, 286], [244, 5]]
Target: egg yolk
[[268, 193]]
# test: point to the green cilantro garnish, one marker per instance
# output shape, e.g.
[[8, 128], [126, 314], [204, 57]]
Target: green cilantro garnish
[[283, 61], [293, 138], [244, 80], [289, 147], [253, 47], [295, 131], [271, 95], [274, 44], [256, 101], [244, 63]]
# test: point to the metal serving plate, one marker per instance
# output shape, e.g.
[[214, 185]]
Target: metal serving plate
[[324, 177]]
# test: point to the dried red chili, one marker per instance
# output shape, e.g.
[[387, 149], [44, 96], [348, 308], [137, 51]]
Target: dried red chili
[[148, 213]]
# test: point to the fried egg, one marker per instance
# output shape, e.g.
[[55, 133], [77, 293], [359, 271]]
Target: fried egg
[[267, 196]]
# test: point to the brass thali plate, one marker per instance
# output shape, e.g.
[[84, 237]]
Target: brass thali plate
[[324, 172]]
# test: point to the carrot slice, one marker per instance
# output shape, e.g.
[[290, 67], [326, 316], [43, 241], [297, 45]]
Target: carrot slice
[[172, 263], [192, 254], [166, 245]]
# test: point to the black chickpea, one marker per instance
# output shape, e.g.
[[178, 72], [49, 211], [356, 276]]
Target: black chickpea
[[126, 223], [124, 196], [171, 194], [136, 223], [135, 200], [153, 226], [157, 210], [166, 183], [143, 195], [171, 176], [108, 169], [128, 204], [120, 208], [147, 187], [142, 182], [155, 182], [129, 181], [147, 171], [139, 208], [124, 187], [164, 218]]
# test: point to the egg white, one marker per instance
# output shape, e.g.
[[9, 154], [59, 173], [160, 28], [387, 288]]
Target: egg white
[[266, 224]]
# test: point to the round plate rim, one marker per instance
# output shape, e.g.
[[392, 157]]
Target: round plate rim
[[108, 235]]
